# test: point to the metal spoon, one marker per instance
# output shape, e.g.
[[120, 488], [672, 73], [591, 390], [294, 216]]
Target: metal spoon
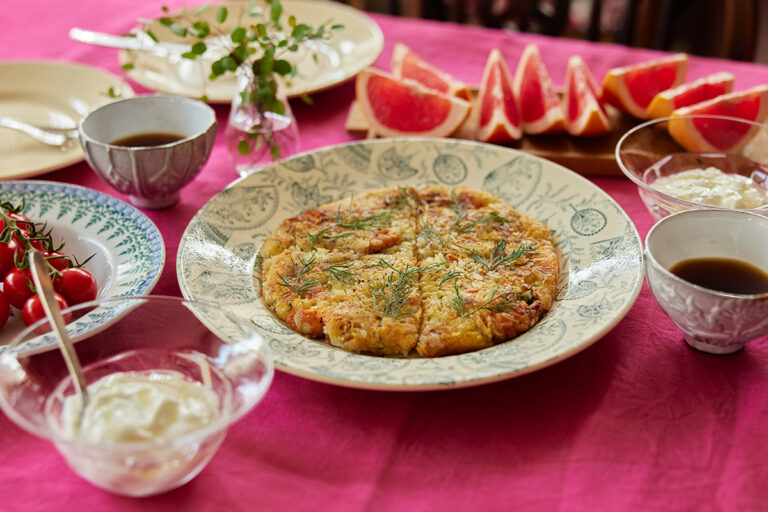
[[141, 41], [58, 137], [44, 287]]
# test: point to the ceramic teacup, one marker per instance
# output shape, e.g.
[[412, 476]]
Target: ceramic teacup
[[150, 175], [712, 321]]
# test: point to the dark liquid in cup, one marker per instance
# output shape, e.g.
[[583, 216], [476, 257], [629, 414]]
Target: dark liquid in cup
[[723, 275], [148, 139]]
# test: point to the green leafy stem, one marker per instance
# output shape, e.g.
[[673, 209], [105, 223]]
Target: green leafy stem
[[257, 46]]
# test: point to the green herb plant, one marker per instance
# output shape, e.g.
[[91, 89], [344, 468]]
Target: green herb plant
[[256, 45]]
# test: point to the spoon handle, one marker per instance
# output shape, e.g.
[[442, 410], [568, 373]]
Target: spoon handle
[[44, 287], [141, 42], [46, 137]]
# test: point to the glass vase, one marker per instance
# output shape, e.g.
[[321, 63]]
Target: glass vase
[[256, 136]]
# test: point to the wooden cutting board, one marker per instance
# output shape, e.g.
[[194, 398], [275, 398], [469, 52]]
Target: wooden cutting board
[[589, 156]]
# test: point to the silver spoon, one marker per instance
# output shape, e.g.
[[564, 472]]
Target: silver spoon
[[44, 287], [58, 137], [141, 41]]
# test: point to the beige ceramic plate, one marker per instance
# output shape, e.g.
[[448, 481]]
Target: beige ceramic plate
[[47, 93], [598, 247], [350, 50]]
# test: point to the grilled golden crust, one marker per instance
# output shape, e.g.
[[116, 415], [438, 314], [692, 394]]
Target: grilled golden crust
[[400, 271]]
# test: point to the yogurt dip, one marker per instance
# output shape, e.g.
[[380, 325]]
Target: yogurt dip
[[141, 432], [713, 187], [128, 407]]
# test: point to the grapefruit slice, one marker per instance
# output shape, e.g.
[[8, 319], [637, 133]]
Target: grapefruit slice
[[538, 104], [684, 95], [709, 135], [406, 64], [396, 107], [583, 111], [499, 120], [632, 88]]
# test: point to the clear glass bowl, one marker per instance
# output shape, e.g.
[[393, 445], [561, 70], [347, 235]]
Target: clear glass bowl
[[198, 341], [648, 152]]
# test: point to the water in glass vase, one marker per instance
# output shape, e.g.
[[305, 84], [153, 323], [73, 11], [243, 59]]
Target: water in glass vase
[[253, 144], [256, 137]]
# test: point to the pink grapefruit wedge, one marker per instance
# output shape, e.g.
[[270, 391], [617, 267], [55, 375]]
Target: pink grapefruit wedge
[[632, 88], [499, 120], [684, 95], [720, 135], [406, 64], [396, 107], [584, 113], [539, 106]]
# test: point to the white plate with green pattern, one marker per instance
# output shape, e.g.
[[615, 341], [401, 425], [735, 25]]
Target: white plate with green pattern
[[128, 249], [599, 249]]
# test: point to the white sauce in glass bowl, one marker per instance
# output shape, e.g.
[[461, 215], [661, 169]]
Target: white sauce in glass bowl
[[128, 407], [713, 187]]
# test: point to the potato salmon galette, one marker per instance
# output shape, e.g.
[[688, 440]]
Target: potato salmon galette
[[403, 271]]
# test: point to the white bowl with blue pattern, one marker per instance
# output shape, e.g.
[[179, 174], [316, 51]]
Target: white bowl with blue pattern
[[128, 249]]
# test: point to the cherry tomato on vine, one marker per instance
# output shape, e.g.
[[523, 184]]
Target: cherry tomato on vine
[[18, 238], [37, 244], [33, 310], [17, 286], [76, 285], [22, 221], [8, 251], [5, 309], [57, 260]]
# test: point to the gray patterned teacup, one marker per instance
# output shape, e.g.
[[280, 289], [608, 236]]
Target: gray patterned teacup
[[712, 321], [178, 137]]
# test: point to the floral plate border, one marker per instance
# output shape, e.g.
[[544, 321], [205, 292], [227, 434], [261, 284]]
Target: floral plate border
[[599, 249], [128, 240]]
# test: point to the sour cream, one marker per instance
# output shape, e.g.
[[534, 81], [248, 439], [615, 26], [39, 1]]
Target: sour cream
[[129, 407], [713, 187]]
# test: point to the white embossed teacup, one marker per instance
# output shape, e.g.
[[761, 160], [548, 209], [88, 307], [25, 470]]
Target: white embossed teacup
[[712, 321], [149, 147]]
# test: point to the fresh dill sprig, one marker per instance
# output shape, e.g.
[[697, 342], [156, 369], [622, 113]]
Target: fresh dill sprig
[[448, 276], [410, 271], [323, 235], [406, 197], [500, 302], [299, 285], [340, 273], [491, 217], [497, 258], [376, 220], [458, 207], [391, 296], [428, 232]]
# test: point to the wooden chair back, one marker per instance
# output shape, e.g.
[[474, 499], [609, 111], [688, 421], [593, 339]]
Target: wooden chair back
[[715, 28]]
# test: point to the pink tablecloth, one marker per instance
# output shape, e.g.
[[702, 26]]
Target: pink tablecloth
[[636, 422]]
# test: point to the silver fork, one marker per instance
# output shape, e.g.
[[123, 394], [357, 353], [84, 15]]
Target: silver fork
[[57, 137]]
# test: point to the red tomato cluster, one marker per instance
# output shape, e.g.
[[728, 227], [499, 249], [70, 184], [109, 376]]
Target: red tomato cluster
[[73, 284]]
